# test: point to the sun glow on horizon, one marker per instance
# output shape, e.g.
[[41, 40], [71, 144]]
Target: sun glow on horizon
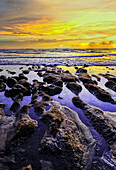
[[68, 24]]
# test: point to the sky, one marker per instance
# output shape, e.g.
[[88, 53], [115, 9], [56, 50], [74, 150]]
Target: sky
[[57, 23]]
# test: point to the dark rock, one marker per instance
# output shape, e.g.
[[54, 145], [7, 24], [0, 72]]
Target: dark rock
[[1, 70], [100, 93], [26, 71], [81, 70], [67, 138], [22, 76], [111, 84], [99, 121], [39, 107], [17, 97], [74, 87], [97, 77], [85, 65], [46, 165], [11, 82], [4, 78], [2, 105], [60, 97], [12, 72], [21, 68], [68, 77], [25, 83], [15, 106], [51, 90], [2, 87]]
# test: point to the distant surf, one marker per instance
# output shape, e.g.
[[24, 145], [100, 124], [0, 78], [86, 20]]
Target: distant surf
[[71, 57]]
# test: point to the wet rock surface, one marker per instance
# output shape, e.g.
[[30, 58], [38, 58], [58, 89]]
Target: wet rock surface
[[100, 122], [44, 134]]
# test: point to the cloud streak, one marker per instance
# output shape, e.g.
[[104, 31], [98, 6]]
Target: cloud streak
[[58, 22]]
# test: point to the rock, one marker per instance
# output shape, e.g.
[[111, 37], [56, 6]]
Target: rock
[[51, 89], [53, 79], [1, 70], [97, 77], [60, 97], [22, 76], [99, 121], [26, 71], [39, 107], [25, 83], [21, 68], [111, 84], [85, 65], [18, 97], [4, 78], [6, 131], [100, 93], [46, 165], [2, 105], [67, 137], [15, 106], [81, 70], [24, 126], [74, 87], [2, 87], [85, 78], [11, 82], [12, 72], [68, 77]]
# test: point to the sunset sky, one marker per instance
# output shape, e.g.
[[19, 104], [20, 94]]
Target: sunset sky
[[57, 23]]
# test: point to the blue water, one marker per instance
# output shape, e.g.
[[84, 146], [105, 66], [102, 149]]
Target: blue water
[[59, 56]]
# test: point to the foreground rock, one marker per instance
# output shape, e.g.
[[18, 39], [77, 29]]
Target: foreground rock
[[100, 93], [2, 105], [67, 137], [74, 87], [103, 124]]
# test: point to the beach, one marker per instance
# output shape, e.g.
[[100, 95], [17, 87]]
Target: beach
[[58, 109]]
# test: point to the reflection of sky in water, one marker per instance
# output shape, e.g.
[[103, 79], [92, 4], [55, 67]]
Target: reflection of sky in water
[[85, 95], [91, 57]]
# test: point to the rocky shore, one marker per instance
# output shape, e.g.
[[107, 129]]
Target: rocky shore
[[58, 136]]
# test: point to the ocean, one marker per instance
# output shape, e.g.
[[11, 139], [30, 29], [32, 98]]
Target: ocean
[[100, 57]]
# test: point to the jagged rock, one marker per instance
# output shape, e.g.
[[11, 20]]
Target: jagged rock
[[2, 87], [99, 121], [25, 83], [46, 165], [60, 97], [6, 131], [4, 78], [111, 84], [2, 105], [85, 78], [39, 107], [97, 77], [22, 76], [15, 106], [67, 137], [100, 93], [68, 77], [11, 82], [51, 89], [74, 87], [26, 71], [81, 70], [53, 79]]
